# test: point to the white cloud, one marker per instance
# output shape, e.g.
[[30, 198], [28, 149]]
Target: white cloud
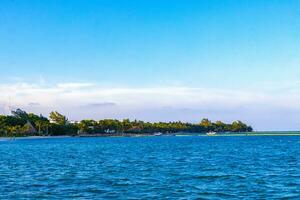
[[74, 85], [81, 100]]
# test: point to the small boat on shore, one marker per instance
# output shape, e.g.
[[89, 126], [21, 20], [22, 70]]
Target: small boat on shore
[[211, 133], [158, 134]]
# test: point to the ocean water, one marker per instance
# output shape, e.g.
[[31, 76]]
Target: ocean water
[[151, 168]]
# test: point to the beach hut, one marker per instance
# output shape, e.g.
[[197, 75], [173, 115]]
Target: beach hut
[[30, 129]]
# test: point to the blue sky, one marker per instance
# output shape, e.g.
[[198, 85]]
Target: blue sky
[[220, 59]]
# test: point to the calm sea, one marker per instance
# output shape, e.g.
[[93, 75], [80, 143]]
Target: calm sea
[[151, 168]]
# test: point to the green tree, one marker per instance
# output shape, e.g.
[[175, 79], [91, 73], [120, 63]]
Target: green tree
[[238, 126], [87, 126], [21, 114], [58, 118], [206, 124]]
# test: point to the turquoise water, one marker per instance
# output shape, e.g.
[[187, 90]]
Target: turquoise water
[[151, 168]]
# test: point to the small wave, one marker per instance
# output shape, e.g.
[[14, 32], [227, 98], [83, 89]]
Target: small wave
[[225, 176]]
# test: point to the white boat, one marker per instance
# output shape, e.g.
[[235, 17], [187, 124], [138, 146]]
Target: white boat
[[211, 133], [158, 134]]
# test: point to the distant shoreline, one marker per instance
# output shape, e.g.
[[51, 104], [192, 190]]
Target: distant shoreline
[[251, 134]]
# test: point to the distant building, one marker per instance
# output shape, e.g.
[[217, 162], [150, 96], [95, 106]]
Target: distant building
[[30, 129]]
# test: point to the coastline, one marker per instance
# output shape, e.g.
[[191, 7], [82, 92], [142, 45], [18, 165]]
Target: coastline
[[251, 134]]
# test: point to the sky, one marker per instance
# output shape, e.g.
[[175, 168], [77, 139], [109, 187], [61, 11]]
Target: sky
[[154, 60]]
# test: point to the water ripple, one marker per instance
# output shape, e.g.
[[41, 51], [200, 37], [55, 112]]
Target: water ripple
[[151, 168]]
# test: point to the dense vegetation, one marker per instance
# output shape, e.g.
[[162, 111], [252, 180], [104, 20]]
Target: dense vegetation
[[21, 123]]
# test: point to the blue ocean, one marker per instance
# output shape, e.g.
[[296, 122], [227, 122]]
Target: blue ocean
[[263, 167]]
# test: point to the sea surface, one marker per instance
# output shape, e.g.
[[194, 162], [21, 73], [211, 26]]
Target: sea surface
[[255, 167]]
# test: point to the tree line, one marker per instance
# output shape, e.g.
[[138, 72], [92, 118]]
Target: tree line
[[21, 123]]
